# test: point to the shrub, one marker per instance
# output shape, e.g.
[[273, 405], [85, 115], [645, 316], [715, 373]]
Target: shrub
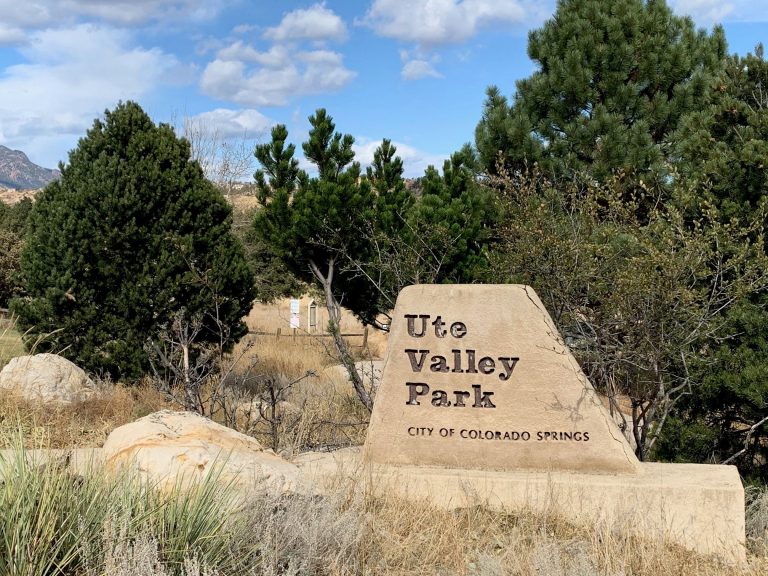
[[129, 237]]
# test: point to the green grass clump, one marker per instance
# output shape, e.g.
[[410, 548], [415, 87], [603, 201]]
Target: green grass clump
[[56, 522]]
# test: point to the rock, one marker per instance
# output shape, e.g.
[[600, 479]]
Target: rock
[[46, 378], [369, 371], [171, 447]]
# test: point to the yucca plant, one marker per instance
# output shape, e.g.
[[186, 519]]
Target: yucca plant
[[53, 521], [46, 515]]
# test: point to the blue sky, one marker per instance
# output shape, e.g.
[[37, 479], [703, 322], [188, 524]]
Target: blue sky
[[414, 71]]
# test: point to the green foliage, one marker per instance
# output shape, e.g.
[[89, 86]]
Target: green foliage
[[278, 163], [327, 149], [13, 225], [393, 201], [55, 522], [129, 236], [723, 144], [614, 79], [453, 219], [10, 265], [14, 217], [720, 151], [370, 230], [649, 247], [715, 423], [272, 279], [638, 299], [308, 222]]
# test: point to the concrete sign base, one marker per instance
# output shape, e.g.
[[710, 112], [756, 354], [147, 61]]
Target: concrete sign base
[[697, 506]]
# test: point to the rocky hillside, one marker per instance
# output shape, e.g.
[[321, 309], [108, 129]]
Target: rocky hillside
[[18, 172]]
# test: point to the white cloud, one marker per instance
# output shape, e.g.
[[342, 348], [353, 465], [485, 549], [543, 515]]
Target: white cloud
[[280, 74], [288, 68], [228, 123], [31, 15], [307, 72], [433, 22], [69, 78], [244, 28], [415, 161], [417, 65], [11, 35], [314, 23], [417, 69], [275, 57], [703, 11]]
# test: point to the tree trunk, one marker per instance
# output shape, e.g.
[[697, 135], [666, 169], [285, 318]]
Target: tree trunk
[[334, 329]]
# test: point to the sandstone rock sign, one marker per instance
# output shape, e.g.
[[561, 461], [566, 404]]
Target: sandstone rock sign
[[482, 403], [478, 377]]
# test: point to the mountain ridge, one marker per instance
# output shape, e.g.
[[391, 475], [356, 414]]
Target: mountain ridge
[[18, 172]]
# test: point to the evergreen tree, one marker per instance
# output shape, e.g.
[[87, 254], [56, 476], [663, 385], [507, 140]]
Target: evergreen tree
[[317, 226], [327, 149], [454, 218], [131, 236], [278, 163], [721, 150], [13, 225], [614, 79], [362, 239], [722, 146], [392, 199], [14, 217]]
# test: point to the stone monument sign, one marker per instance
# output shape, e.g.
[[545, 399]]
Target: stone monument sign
[[478, 377]]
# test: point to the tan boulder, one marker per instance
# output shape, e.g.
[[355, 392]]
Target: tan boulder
[[171, 447], [46, 378]]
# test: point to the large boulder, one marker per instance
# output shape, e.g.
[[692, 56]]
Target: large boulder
[[46, 378], [182, 447]]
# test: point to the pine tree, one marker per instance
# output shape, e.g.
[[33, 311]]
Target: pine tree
[[454, 218], [278, 163], [720, 151], [129, 237], [722, 145], [614, 79], [313, 225], [362, 239], [392, 199]]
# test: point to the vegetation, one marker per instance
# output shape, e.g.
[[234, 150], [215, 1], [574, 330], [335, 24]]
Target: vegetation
[[13, 224], [631, 171], [638, 299], [614, 79], [363, 238], [53, 522], [625, 180], [131, 236]]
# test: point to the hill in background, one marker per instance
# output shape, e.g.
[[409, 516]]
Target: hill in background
[[19, 173]]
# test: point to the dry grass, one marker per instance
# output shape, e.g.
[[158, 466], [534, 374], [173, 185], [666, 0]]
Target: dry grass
[[84, 424], [319, 412], [271, 317], [348, 532], [12, 196], [11, 344], [316, 407]]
